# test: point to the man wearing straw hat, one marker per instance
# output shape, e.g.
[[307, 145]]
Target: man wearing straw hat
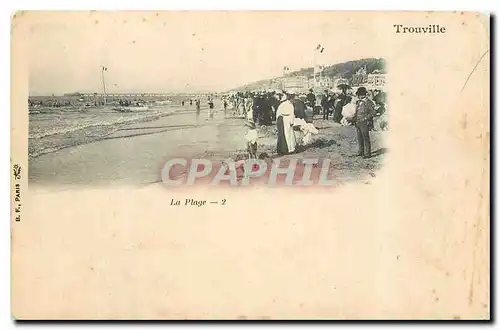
[[365, 110]]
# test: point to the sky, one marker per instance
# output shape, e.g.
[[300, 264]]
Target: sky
[[185, 51]]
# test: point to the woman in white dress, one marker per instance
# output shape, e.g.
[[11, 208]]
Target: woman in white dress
[[284, 122]]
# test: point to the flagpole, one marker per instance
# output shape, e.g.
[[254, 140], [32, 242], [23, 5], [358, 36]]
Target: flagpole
[[282, 80], [314, 68], [103, 85], [285, 70]]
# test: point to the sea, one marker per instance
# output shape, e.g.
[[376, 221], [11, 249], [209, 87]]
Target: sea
[[55, 128]]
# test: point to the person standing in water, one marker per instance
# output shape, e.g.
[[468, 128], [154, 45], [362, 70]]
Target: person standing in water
[[197, 108], [211, 106]]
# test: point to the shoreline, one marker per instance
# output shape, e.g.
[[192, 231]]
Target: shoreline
[[136, 155], [51, 143]]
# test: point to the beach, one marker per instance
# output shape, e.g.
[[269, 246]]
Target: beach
[[134, 153]]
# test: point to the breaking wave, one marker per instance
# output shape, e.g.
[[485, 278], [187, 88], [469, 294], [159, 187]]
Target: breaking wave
[[51, 132]]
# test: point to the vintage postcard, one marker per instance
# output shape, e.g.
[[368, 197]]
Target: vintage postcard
[[250, 165]]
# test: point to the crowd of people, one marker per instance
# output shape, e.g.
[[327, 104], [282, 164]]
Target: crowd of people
[[292, 112], [258, 106], [50, 103]]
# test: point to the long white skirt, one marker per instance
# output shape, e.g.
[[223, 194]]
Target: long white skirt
[[288, 135]]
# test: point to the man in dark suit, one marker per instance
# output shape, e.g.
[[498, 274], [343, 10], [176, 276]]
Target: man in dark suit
[[267, 109], [365, 110], [275, 102], [299, 107], [342, 100], [325, 104], [311, 98]]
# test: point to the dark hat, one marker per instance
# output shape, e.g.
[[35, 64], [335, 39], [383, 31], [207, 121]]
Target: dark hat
[[311, 90], [361, 91]]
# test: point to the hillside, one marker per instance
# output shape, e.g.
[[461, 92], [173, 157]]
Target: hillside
[[339, 70]]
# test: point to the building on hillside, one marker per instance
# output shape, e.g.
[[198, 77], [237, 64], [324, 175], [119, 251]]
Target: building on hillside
[[321, 82], [297, 83], [341, 81], [376, 80], [359, 80], [361, 71], [275, 84]]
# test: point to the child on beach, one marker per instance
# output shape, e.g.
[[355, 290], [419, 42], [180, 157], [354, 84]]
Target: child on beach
[[251, 138]]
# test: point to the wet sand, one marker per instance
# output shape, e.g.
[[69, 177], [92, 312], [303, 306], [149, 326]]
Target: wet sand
[[136, 153]]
